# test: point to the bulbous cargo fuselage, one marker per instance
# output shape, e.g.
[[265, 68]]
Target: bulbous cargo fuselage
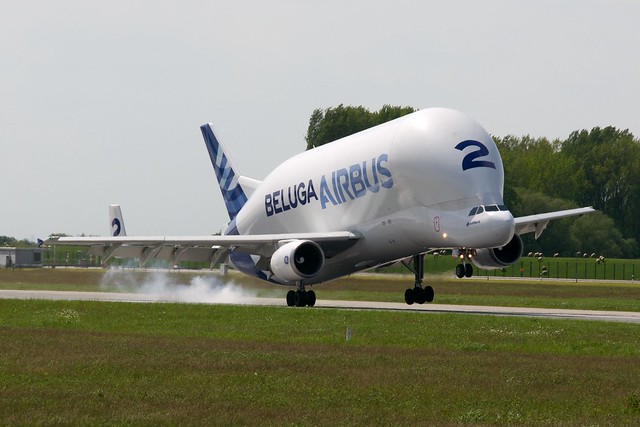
[[405, 186]]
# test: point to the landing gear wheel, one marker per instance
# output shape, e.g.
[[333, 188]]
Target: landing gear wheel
[[311, 298], [300, 299], [291, 295], [460, 271], [408, 296], [429, 294], [419, 295], [468, 270]]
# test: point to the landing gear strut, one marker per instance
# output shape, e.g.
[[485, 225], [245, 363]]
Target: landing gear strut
[[301, 297], [418, 294]]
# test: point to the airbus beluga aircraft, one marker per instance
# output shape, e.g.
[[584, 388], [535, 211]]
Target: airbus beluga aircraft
[[427, 181]]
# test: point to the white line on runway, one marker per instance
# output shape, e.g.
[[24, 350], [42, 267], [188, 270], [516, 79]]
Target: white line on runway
[[612, 316]]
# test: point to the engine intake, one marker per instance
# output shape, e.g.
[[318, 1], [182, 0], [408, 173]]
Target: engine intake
[[297, 260], [500, 257]]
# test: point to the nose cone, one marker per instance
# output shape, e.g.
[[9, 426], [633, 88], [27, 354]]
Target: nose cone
[[488, 230]]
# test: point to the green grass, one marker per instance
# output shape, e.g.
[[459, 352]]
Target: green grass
[[547, 293], [513, 293], [121, 363]]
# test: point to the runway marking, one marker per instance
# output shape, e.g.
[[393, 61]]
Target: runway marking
[[600, 315]]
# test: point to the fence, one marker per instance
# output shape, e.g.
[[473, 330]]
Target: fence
[[569, 268]]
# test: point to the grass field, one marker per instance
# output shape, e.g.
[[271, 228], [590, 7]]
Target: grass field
[[118, 363], [192, 364], [548, 293]]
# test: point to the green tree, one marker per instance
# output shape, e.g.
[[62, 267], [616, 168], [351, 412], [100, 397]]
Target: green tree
[[538, 165], [334, 123], [12, 241], [7, 241], [608, 160], [597, 233], [603, 156], [596, 168]]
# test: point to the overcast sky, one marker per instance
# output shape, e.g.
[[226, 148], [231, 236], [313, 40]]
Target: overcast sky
[[101, 102]]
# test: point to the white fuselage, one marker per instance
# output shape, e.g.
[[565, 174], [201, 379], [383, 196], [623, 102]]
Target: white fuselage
[[405, 187]]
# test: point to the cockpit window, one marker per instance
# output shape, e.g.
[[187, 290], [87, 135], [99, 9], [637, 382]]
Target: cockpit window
[[489, 208]]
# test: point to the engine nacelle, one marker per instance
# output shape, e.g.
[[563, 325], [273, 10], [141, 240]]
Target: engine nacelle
[[500, 257], [297, 260]]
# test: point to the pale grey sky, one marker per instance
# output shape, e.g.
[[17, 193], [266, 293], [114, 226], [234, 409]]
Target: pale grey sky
[[101, 102]]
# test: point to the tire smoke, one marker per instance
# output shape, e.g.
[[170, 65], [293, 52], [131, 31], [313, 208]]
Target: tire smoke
[[170, 286]]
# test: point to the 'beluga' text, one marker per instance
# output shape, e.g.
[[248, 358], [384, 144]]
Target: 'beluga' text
[[340, 186]]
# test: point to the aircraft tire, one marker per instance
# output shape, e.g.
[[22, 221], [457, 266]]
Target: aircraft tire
[[419, 295], [459, 271], [408, 296], [429, 294], [311, 298], [291, 295], [300, 299], [468, 270]]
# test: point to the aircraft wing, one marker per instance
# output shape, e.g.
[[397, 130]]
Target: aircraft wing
[[537, 223], [213, 249]]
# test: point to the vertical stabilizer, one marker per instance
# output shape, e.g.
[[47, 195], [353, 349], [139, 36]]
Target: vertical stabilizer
[[232, 192], [116, 221]]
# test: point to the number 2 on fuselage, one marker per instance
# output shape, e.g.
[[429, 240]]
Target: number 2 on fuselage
[[471, 160]]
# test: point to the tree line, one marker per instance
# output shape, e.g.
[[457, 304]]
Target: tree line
[[599, 168], [13, 242]]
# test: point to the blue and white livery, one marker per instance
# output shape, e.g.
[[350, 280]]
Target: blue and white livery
[[232, 193]]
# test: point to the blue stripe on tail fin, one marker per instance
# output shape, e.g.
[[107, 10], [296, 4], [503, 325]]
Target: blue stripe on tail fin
[[232, 192]]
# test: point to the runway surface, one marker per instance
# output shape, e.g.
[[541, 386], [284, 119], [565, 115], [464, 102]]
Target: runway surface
[[612, 316]]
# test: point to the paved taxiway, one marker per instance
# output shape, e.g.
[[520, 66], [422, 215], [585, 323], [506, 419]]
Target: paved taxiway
[[612, 316]]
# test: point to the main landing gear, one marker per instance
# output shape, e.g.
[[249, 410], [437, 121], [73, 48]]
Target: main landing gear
[[465, 269], [301, 297], [418, 294]]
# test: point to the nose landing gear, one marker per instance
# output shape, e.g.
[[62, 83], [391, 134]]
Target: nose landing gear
[[465, 269]]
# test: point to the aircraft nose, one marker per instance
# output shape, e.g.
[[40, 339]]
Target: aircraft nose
[[492, 228]]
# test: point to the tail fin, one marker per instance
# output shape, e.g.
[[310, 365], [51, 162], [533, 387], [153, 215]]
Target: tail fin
[[232, 192], [116, 221]]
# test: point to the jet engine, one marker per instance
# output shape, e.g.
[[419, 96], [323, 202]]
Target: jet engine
[[297, 260], [499, 257]]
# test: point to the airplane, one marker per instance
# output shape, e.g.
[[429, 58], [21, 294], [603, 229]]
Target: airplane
[[428, 181]]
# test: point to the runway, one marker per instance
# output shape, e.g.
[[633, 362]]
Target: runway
[[610, 316]]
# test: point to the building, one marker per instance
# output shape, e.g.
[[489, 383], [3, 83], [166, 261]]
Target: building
[[21, 257]]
